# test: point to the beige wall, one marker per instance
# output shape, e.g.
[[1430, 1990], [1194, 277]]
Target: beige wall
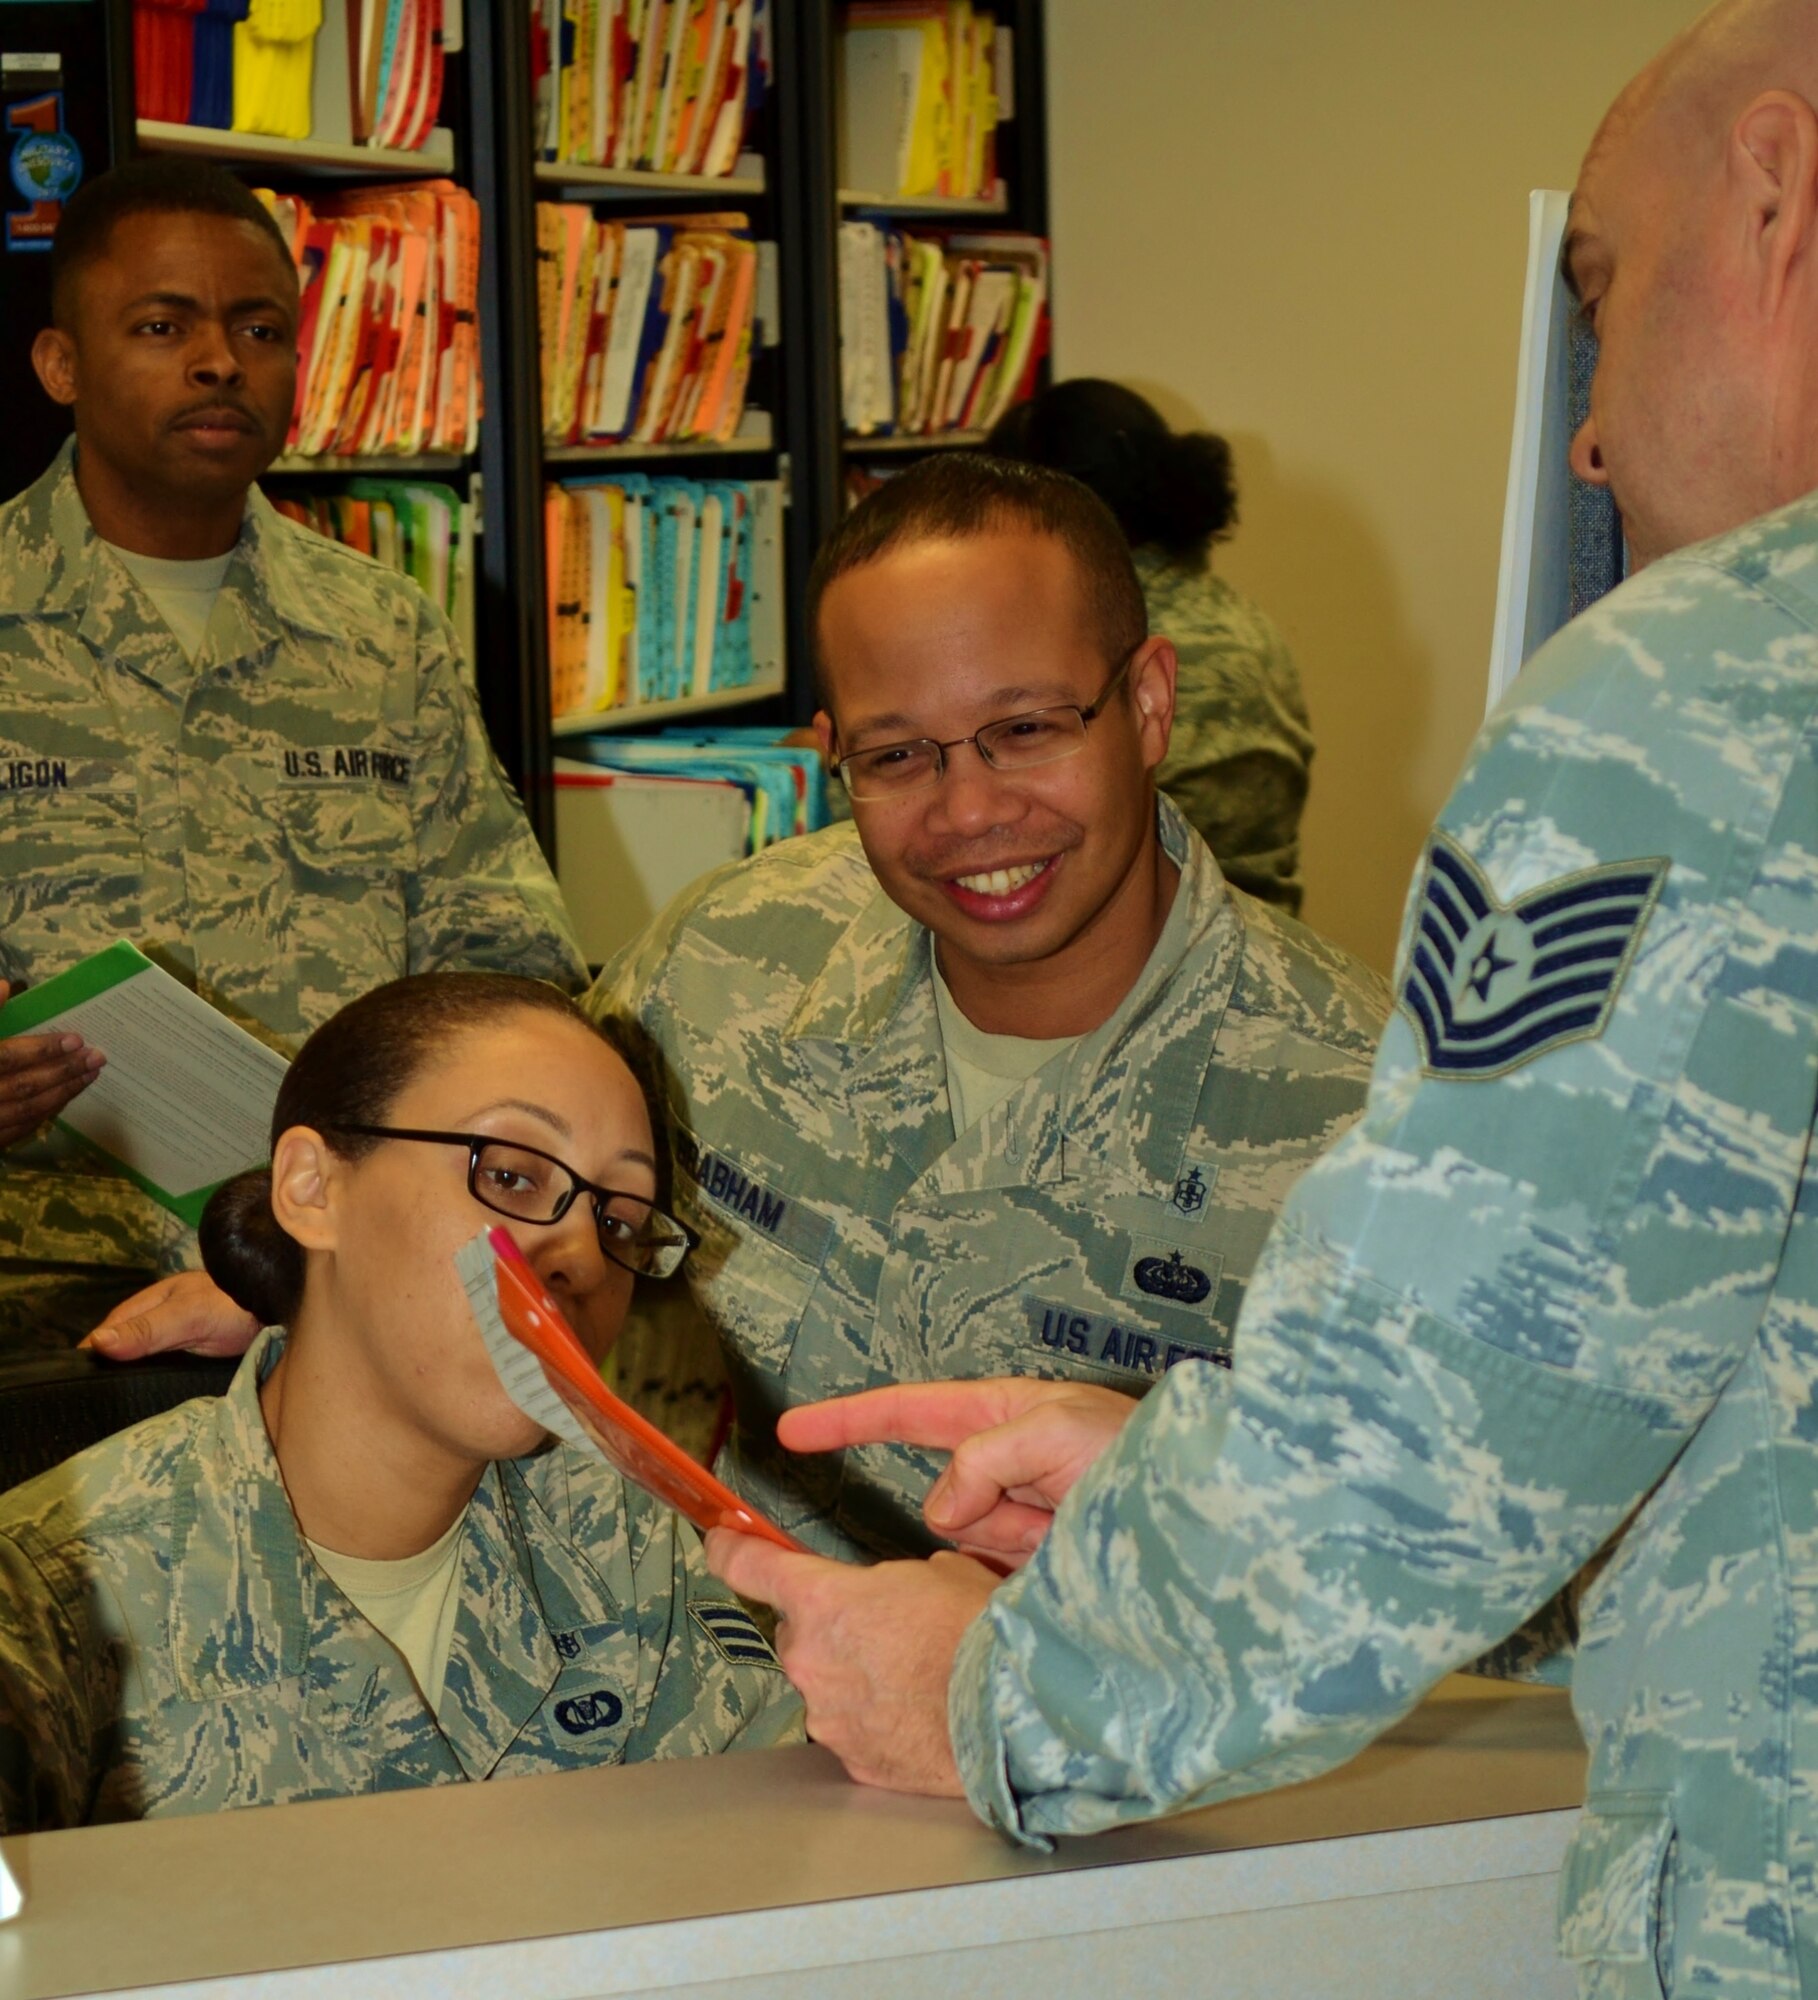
[[1304, 224]]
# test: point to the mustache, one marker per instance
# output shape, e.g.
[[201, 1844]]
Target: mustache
[[216, 405], [979, 857]]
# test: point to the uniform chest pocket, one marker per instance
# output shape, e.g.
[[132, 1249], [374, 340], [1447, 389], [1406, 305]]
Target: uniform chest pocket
[[1021, 1282], [758, 1250], [333, 834], [349, 856]]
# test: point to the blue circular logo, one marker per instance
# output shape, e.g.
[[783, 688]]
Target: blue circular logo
[[47, 166]]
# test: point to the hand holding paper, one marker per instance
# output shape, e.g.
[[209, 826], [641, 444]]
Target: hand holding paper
[[188, 1096], [39, 1074]]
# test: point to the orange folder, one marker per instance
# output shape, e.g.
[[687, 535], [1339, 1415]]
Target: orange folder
[[636, 1447]]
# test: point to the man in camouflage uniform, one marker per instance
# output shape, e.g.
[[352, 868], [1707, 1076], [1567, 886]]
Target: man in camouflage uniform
[[1550, 1312], [1099, 1220], [160, 1584], [290, 805]]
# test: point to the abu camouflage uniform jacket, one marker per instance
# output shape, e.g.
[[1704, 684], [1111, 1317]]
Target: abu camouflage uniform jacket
[[169, 1645], [309, 809], [1556, 1296], [1101, 1222], [1241, 746]]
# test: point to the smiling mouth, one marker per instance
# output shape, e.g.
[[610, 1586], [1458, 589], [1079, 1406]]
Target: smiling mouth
[[1001, 881]]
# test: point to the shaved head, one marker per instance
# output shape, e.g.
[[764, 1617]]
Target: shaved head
[[1693, 246]]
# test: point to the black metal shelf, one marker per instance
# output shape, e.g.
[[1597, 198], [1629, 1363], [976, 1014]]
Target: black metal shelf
[[788, 178]]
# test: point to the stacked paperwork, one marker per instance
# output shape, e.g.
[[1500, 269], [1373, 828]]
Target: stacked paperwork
[[920, 90], [939, 331], [785, 783], [339, 71], [669, 86], [660, 589], [388, 336], [646, 327], [419, 528]]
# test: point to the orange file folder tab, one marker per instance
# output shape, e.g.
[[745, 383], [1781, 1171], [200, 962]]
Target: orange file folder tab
[[565, 1381], [387, 338]]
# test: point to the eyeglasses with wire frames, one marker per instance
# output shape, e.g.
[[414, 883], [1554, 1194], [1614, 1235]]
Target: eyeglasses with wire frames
[[1015, 743], [529, 1185]]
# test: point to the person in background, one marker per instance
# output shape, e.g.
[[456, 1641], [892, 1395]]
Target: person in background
[[1548, 1313], [248, 750], [1237, 761], [362, 1569]]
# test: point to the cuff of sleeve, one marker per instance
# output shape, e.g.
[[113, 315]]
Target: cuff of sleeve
[[978, 1746]]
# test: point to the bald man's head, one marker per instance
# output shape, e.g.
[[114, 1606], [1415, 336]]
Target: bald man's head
[[1693, 244]]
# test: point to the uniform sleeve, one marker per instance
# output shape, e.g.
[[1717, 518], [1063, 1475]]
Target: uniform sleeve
[[52, 1688], [1493, 1314], [717, 1682], [482, 897]]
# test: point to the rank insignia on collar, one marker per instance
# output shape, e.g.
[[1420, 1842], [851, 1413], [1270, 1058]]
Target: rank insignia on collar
[[1490, 986]]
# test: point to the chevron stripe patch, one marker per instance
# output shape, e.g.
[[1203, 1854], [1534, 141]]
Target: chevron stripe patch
[[1491, 986], [734, 1634]]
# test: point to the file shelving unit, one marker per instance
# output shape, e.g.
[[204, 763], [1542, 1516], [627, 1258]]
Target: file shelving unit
[[1020, 202], [755, 450], [788, 179]]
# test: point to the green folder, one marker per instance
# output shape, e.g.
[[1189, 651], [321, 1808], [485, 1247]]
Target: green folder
[[186, 1098]]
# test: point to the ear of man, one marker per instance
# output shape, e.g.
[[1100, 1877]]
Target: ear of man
[[1151, 682], [1773, 159], [54, 359]]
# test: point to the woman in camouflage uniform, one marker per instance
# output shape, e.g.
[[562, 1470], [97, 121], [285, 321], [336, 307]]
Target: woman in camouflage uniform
[[364, 1568], [1237, 761]]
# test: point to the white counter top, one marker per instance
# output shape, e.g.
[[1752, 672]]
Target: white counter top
[[695, 1875]]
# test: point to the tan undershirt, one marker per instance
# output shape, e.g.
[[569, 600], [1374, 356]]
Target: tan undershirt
[[183, 592], [411, 1602], [982, 1069]]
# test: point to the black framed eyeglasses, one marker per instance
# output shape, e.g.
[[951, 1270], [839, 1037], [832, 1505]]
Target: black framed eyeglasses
[[532, 1186], [1015, 743]]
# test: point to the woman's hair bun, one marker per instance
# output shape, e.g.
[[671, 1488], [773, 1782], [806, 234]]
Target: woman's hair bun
[[254, 1262], [1171, 490]]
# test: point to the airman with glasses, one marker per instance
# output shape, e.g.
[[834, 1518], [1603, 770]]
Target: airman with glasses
[[365, 1567]]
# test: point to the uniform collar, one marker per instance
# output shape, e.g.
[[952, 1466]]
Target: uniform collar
[[250, 1606], [51, 553]]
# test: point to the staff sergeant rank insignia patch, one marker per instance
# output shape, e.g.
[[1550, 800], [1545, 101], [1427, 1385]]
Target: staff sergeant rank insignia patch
[[1489, 988]]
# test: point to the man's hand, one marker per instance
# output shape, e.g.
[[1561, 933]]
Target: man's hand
[[870, 1649], [188, 1311], [39, 1074], [1018, 1447]]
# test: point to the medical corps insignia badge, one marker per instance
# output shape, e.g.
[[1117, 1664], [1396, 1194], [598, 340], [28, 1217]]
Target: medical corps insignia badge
[[1489, 988]]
